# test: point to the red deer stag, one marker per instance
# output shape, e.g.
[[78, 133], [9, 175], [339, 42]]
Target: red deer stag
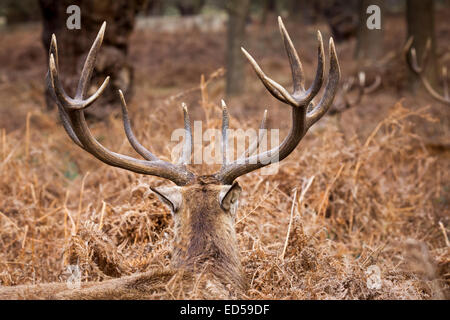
[[203, 207]]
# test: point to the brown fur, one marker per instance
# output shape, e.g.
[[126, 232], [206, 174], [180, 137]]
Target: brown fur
[[205, 257], [205, 233]]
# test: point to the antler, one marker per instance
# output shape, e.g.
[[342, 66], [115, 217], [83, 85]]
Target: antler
[[411, 59], [72, 117], [362, 88], [302, 119]]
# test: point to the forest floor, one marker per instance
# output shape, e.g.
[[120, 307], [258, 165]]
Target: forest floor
[[379, 172]]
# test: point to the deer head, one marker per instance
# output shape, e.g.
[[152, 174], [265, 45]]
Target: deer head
[[203, 207]]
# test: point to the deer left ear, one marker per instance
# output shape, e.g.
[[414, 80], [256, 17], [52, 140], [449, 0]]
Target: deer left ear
[[170, 196], [229, 197]]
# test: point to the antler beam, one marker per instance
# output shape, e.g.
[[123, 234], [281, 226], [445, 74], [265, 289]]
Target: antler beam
[[299, 100], [72, 117], [361, 86], [71, 111]]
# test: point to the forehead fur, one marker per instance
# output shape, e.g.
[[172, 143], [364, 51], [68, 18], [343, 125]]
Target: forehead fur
[[207, 180], [203, 184], [199, 189]]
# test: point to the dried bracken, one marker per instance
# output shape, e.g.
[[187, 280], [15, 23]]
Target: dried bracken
[[365, 202], [378, 199]]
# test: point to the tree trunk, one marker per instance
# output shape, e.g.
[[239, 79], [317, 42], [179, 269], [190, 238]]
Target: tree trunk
[[420, 20], [305, 11], [269, 6], [153, 8], [369, 45], [74, 44], [189, 7], [238, 11], [19, 11], [342, 17]]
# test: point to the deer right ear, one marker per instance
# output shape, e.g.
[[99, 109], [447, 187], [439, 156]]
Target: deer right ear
[[170, 196], [229, 197]]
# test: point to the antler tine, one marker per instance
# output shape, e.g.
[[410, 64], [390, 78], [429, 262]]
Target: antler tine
[[362, 88], [362, 79], [261, 134], [348, 84], [320, 73], [156, 168], [299, 97], [72, 115], [411, 59], [330, 89], [426, 53], [53, 50], [298, 76], [55, 84], [411, 56], [89, 64], [146, 154], [187, 147], [423, 64], [415, 65], [78, 102], [225, 124], [301, 119], [374, 86], [433, 92], [445, 83], [63, 97], [268, 83]]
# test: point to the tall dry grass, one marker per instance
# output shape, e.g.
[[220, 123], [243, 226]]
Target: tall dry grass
[[337, 206]]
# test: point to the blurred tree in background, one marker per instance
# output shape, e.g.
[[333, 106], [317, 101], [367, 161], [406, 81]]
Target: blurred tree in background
[[153, 7], [238, 11], [267, 6], [346, 19], [189, 7], [420, 22], [305, 11], [19, 11], [369, 46], [182, 7], [342, 17], [74, 44]]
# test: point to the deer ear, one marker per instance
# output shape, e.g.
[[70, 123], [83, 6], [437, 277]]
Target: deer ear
[[229, 197], [170, 196]]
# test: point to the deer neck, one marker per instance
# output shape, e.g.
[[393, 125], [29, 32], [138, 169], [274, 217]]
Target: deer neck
[[206, 239]]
